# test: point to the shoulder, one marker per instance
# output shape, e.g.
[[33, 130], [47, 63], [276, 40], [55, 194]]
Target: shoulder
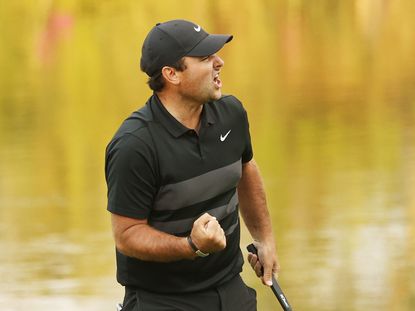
[[228, 106], [136, 123], [133, 134], [229, 100]]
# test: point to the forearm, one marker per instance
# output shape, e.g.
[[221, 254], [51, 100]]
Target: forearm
[[254, 211], [142, 241], [253, 205]]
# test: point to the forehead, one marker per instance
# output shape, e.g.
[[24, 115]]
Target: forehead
[[192, 59], [189, 60]]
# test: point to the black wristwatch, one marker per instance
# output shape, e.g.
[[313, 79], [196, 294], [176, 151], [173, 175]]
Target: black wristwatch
[[196, 250]]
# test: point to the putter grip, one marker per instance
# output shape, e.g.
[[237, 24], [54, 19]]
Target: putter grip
[[276, 289]]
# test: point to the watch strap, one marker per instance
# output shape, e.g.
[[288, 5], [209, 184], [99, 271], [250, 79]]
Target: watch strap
[[195, 249]]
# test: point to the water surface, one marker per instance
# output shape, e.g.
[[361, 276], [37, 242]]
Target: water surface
[[329, 88]]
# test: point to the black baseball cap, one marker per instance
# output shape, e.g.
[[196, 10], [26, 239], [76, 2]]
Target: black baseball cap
[[168, 42]]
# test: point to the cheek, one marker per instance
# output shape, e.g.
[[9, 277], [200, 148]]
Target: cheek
[[199, 81]]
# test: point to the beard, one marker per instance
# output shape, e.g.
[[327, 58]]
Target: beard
[[200, 94]]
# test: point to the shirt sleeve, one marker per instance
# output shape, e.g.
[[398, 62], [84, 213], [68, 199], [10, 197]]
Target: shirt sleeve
[[248, 153], [130, 176]]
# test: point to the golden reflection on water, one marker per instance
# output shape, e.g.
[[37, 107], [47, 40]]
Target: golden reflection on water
[[329, 87]]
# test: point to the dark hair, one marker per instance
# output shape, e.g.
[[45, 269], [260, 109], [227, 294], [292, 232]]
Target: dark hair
[[156, 82]]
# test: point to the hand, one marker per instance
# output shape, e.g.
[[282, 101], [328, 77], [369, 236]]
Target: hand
[[207, 234], [266, 263]]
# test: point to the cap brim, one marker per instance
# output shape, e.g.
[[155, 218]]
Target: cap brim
[[210, 45]]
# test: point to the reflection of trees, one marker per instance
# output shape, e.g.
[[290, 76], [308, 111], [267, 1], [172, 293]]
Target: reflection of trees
[[329, 90]]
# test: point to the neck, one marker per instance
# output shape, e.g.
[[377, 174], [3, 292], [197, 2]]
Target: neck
[[185, 111]]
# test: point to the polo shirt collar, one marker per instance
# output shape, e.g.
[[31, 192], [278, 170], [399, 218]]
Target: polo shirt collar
[[208, 118], [171, 123]]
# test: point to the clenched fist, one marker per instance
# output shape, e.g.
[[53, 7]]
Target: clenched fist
[[207, 234]]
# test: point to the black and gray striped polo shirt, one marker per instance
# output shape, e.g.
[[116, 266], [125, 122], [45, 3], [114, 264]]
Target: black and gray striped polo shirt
[[157, 169]]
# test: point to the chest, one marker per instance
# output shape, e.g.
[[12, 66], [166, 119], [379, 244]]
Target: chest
[[193, 154]]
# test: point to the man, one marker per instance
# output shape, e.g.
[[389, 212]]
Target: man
[[178, 172]]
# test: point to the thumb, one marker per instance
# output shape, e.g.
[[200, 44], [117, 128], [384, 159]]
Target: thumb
[[267, 276]]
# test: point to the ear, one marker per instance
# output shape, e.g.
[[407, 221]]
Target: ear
[[170, 75]]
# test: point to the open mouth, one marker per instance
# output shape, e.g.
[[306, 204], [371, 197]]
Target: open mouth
[[217, 81]]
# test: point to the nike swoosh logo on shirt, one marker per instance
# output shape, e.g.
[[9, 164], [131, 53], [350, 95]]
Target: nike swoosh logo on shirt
[[197, 28], [222, 138]]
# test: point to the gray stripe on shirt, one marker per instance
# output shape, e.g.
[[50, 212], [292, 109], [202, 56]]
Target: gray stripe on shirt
[[198, 189], [183, 225]]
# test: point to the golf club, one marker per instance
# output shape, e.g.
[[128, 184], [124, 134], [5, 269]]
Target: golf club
[[276, 289]]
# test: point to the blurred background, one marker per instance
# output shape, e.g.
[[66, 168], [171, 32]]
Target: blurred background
[[329, 86]]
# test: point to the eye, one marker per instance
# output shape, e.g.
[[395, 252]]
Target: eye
[[205, 58]]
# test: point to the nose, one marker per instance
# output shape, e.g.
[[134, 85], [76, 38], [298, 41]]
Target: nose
[[218, 62]]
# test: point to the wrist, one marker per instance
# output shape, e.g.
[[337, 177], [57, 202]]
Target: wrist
[[187, 249], [194, 248]]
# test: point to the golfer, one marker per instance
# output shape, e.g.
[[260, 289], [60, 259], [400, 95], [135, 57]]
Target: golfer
[[179, 170]]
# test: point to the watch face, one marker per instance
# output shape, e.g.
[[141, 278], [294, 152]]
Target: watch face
[[201, 254]]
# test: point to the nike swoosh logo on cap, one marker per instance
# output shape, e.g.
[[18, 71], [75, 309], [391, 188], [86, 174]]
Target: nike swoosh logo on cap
[[197, 28]]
